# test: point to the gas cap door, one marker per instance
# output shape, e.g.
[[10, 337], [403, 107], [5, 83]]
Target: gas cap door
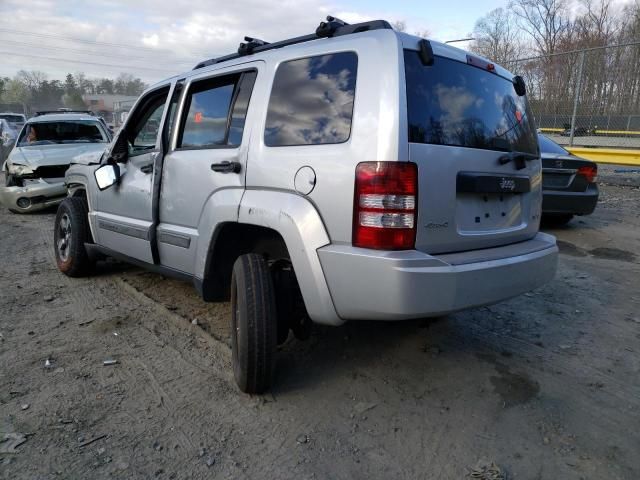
[[305, 180]]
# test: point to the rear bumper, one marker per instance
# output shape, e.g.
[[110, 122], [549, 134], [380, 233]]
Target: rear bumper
[[375, 285], [39, 193], [565, 202]]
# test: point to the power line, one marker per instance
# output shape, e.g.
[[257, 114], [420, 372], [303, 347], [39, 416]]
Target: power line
[[83, 40], [64, 60], [83, 52]]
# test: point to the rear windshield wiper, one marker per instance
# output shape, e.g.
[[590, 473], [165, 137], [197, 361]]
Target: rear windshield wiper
[[518, 158]]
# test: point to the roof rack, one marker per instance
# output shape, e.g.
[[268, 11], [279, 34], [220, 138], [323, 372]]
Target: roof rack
[[333, 27], [62, 110]]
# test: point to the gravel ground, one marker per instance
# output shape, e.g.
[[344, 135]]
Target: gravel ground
[[544, 386]]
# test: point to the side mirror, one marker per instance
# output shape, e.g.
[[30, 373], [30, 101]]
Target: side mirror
[[107, 175], [519, 86]]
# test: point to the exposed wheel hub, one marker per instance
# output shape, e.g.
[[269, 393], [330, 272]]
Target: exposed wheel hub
[[64, 237]]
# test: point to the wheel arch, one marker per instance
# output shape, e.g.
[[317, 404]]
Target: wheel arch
[[267, 221]]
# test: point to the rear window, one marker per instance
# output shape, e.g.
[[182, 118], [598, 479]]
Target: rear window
[[312, 101], [13, 118], [549, 146], [46, 133], [453, 103]]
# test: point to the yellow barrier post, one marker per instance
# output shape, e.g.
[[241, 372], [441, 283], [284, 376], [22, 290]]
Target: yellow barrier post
[[614, 156]]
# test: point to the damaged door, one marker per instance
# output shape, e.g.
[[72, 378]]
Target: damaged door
[[124, 216]]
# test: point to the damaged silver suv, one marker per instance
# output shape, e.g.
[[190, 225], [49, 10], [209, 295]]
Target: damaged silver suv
[[46, 145], [354, 173]]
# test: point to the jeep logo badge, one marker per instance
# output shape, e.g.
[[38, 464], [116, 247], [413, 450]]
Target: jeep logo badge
[[507, 184]]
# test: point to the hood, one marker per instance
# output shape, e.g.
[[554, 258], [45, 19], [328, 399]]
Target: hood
[[89, 158], [39, 155]]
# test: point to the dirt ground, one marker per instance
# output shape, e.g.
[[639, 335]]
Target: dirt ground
[[546, 385]]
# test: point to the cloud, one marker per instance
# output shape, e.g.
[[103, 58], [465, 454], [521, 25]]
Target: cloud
[[148, 38]]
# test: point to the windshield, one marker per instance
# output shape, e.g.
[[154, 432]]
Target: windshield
[[549, 146], [13, 118], [63, 132], [453, 103]]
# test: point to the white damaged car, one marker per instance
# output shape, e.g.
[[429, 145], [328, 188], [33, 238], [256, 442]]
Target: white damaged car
[[48, 142]]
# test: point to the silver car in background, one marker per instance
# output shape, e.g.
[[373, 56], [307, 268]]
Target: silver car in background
[[35, 168]]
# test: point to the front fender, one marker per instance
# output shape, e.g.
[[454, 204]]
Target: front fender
[[298, 222], [80, 177]]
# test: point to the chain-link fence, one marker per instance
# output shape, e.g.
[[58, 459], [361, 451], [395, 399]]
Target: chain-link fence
[[589, 97]]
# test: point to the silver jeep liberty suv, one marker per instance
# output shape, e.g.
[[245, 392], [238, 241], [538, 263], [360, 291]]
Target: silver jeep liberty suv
[[354, 173]]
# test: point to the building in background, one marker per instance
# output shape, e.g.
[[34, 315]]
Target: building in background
[[109, 106]]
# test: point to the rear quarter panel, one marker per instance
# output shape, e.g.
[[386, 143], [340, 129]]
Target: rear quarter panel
[[376, 129]]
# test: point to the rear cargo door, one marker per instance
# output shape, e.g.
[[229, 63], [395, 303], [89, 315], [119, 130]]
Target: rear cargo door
[[474, 141]]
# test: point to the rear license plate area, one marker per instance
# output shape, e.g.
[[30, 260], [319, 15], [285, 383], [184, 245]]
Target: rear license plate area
[[488, 212], [555, 180]]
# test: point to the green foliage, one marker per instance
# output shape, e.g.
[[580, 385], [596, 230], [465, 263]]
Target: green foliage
[[34, 90]]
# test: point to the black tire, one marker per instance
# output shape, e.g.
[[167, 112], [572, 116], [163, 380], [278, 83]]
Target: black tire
[[253, 323], [557, 220], [70, 233]]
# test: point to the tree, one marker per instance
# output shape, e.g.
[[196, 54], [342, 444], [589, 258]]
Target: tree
[[497, 37], [546, 21], [70, 86], [127, 84], [74, 101], [16, 92], [399, 26], [105, 85]]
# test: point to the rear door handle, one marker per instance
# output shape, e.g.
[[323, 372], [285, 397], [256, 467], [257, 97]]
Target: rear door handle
[[146, 168], [227, 167]]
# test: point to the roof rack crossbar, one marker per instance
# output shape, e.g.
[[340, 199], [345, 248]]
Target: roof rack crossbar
[[48, 112], [333, 27]]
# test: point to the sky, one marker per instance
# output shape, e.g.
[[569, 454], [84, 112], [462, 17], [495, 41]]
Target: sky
[[154, 39]]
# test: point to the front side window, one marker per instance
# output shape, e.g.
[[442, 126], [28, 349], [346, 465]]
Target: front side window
[[147, 132], [454, 103], [312, 101], [65, 132]]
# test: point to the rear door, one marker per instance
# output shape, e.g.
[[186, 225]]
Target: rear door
[[463, 117]]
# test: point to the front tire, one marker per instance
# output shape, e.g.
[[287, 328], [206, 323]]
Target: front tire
[[70, 233], [253, 323]]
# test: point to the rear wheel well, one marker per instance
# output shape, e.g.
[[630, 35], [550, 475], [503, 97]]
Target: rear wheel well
[[229, 242]]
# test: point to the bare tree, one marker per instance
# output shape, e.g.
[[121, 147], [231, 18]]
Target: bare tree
[[32, 79], [399, 26], [497, 37], [546, 21]]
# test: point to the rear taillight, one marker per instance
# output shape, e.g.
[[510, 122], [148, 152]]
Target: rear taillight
[[384, 208], [590, 172]]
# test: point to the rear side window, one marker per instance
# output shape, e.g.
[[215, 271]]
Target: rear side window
[[312, 101], [215, 112], [454, 103]]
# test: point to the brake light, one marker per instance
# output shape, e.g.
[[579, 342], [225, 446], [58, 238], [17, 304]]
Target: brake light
[[590, 172], [384, 207]]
